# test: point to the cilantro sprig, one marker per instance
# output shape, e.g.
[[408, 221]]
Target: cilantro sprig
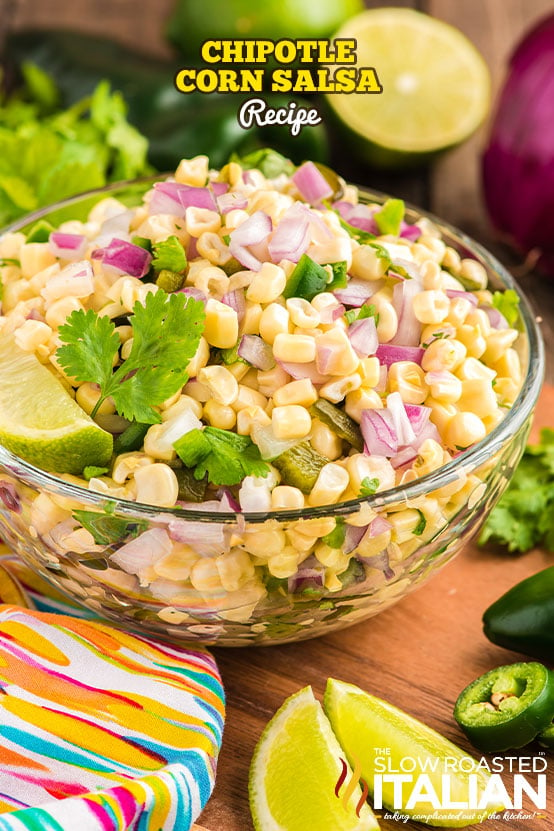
[[224, 456], [524, 516], [507, 303], [166, 333]]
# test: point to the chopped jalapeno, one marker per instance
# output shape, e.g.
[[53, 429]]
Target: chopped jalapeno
[[507, 707], [339, 422], [300, 466]]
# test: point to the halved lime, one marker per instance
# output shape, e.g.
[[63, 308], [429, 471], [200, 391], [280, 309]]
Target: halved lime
[[39, 420], [295, 770], [436, 86], [392, 744]]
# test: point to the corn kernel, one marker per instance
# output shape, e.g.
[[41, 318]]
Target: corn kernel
[[443, 353], [359, 466], [335, 355], [32, 334], [387, 326], [302, 313], [444, 386], [498, 342], [431, 306], [463, 430], [472, 275], [267, 284], [296, 348], [284, 564], [285, 497], [219, 415], [269, 381], [330, 484], [156, 485], [407, 378], [367, 264], [478, 396], [193, 172], [200, 220], [300, 392], [250, 323], [248, 397], [221, 383], [274, 320], [212, 281], [87, 395], [359, 400], [336, 390], [221, 327], [290, 422], [126, 464]]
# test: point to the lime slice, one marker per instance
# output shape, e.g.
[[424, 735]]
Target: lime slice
[[295, 769], [39, 420], [194, 21], [390, 744], [436, 86]]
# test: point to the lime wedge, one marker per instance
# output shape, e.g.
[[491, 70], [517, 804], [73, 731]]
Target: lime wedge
[[391, 744], [294, 772], [39, 420], [436, 86]]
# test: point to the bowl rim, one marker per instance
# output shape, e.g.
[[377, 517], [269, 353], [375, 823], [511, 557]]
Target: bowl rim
[[468, 460]]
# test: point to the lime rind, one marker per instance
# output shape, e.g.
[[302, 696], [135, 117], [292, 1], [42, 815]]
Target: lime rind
[[436, 86], [362, 722], [40, 421], [294, 772]]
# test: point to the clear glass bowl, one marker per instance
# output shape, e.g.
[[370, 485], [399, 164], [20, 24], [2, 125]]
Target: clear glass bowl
[[269, 610]]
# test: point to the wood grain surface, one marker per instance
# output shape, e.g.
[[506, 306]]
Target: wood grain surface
[[418, 655]]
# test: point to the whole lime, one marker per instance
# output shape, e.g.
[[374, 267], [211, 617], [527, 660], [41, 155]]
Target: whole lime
[[194, 21]]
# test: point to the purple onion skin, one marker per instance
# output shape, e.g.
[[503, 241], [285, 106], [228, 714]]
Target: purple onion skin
[[518, 163]]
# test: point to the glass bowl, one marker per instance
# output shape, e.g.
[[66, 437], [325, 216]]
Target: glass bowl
[[38, 519]]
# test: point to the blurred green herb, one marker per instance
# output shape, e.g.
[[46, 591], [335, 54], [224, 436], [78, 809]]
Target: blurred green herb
[[524, 516], [47, 154]]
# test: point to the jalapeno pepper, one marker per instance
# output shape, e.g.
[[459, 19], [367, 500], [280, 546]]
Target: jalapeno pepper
[[523, 618], [506, 707], [546, 736]]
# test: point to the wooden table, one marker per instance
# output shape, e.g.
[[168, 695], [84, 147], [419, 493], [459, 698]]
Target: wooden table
[[422, 652]]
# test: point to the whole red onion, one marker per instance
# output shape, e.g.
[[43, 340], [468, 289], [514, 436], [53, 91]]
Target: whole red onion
[[518, 164]]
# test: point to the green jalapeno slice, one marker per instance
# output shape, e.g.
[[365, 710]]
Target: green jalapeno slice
[[507, 707]]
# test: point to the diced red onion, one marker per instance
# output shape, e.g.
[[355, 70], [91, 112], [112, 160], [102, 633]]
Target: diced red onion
[[191, 291], [409, 327], [192, 250], [174, 198], [496, 318], [231, 201], [299, 371], [219, 188], [324, 357], [389, 354], [409, 267], [254, 230], [356, 293], [142, 552], [332, 312], [403, 428], [306, 578], [207, 538], [361, 216], [418, 415], [378, 526], [410, 232], [124, 257], [10, 497], [257, 352], [34, 314], [380, 562], [466, 295], [116, 225], [237, 301], [228, 503], [363, 336], [311, 183], [67, 246], [352, 537], [379, 432], [291, 237], [381, 384], [403, 457]]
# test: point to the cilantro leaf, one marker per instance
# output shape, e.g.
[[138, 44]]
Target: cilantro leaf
[[225, 457], [170, 254], [390, 217], [382, 254], [336, 537], [421, 525], [507, 303], [166, 332], [524, 516], [368, 487], [107, 529], [90, 344], [366, 310]]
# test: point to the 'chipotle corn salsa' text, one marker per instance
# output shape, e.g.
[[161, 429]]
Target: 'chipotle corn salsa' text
[[343, 352]]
